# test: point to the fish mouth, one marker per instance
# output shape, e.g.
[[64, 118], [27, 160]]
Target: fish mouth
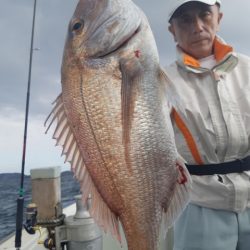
[[122, 44]]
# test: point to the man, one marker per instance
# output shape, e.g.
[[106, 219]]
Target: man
[[211, 122]]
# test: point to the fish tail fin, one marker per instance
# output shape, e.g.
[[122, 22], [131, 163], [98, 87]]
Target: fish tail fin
[[180, 196]]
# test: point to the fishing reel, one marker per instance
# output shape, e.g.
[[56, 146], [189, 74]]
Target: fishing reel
[[30, 224], [33, 224], [45, 215]]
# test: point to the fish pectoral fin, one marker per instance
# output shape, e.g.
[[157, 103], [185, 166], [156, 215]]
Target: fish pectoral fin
[[131, 79], [180, 196], [65, 137]]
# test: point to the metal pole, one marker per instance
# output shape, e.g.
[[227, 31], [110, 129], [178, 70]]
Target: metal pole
[[20, 200]]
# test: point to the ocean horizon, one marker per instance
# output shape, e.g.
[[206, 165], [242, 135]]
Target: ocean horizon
[[9, 192]]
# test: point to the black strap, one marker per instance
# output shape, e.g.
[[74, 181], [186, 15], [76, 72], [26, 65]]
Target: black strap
[[236, 166]]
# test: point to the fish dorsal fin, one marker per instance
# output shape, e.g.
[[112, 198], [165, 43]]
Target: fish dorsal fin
[[65, 137]]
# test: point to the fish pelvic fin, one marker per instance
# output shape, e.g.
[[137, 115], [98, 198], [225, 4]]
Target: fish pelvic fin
[[65, 137], [168, 90], [180, 196]]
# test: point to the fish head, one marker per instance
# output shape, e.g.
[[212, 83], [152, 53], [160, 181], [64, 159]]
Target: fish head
[[100, 27]]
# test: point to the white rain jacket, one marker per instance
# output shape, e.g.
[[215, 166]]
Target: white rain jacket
[[212, 123]]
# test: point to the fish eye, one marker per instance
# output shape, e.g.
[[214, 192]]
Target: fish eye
[[77, 26]]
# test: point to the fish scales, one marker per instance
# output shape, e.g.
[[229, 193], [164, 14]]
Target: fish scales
[[114, 110]]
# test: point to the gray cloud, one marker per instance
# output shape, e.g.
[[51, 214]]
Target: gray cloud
[[51, 25], [15, 28]]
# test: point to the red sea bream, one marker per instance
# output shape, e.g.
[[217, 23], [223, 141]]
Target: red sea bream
[[113, 122]]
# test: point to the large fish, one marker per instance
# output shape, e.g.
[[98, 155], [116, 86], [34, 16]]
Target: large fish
[[113, 122]]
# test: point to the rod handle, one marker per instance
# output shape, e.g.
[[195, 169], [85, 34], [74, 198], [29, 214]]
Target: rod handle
[[19, 222]]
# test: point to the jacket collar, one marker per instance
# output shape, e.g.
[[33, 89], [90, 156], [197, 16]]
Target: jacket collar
[[224, 55]]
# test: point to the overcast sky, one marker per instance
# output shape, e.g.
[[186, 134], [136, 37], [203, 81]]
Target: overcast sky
[[50, 32]]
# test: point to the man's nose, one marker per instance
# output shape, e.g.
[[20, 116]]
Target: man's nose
[[197, 25]]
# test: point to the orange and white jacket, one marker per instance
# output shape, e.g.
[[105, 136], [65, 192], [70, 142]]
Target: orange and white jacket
[[212, 123]]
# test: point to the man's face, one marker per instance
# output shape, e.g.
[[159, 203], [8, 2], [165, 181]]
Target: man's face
[[194, 27]]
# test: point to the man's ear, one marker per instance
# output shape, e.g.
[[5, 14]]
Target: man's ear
[[172, 31], [220, 15]]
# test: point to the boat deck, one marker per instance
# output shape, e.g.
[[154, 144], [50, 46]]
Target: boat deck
[[30, 242]]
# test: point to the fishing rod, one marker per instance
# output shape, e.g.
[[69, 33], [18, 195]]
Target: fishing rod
[[20, 199]]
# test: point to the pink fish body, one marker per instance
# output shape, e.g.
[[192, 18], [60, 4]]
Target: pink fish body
[[113, 122]]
